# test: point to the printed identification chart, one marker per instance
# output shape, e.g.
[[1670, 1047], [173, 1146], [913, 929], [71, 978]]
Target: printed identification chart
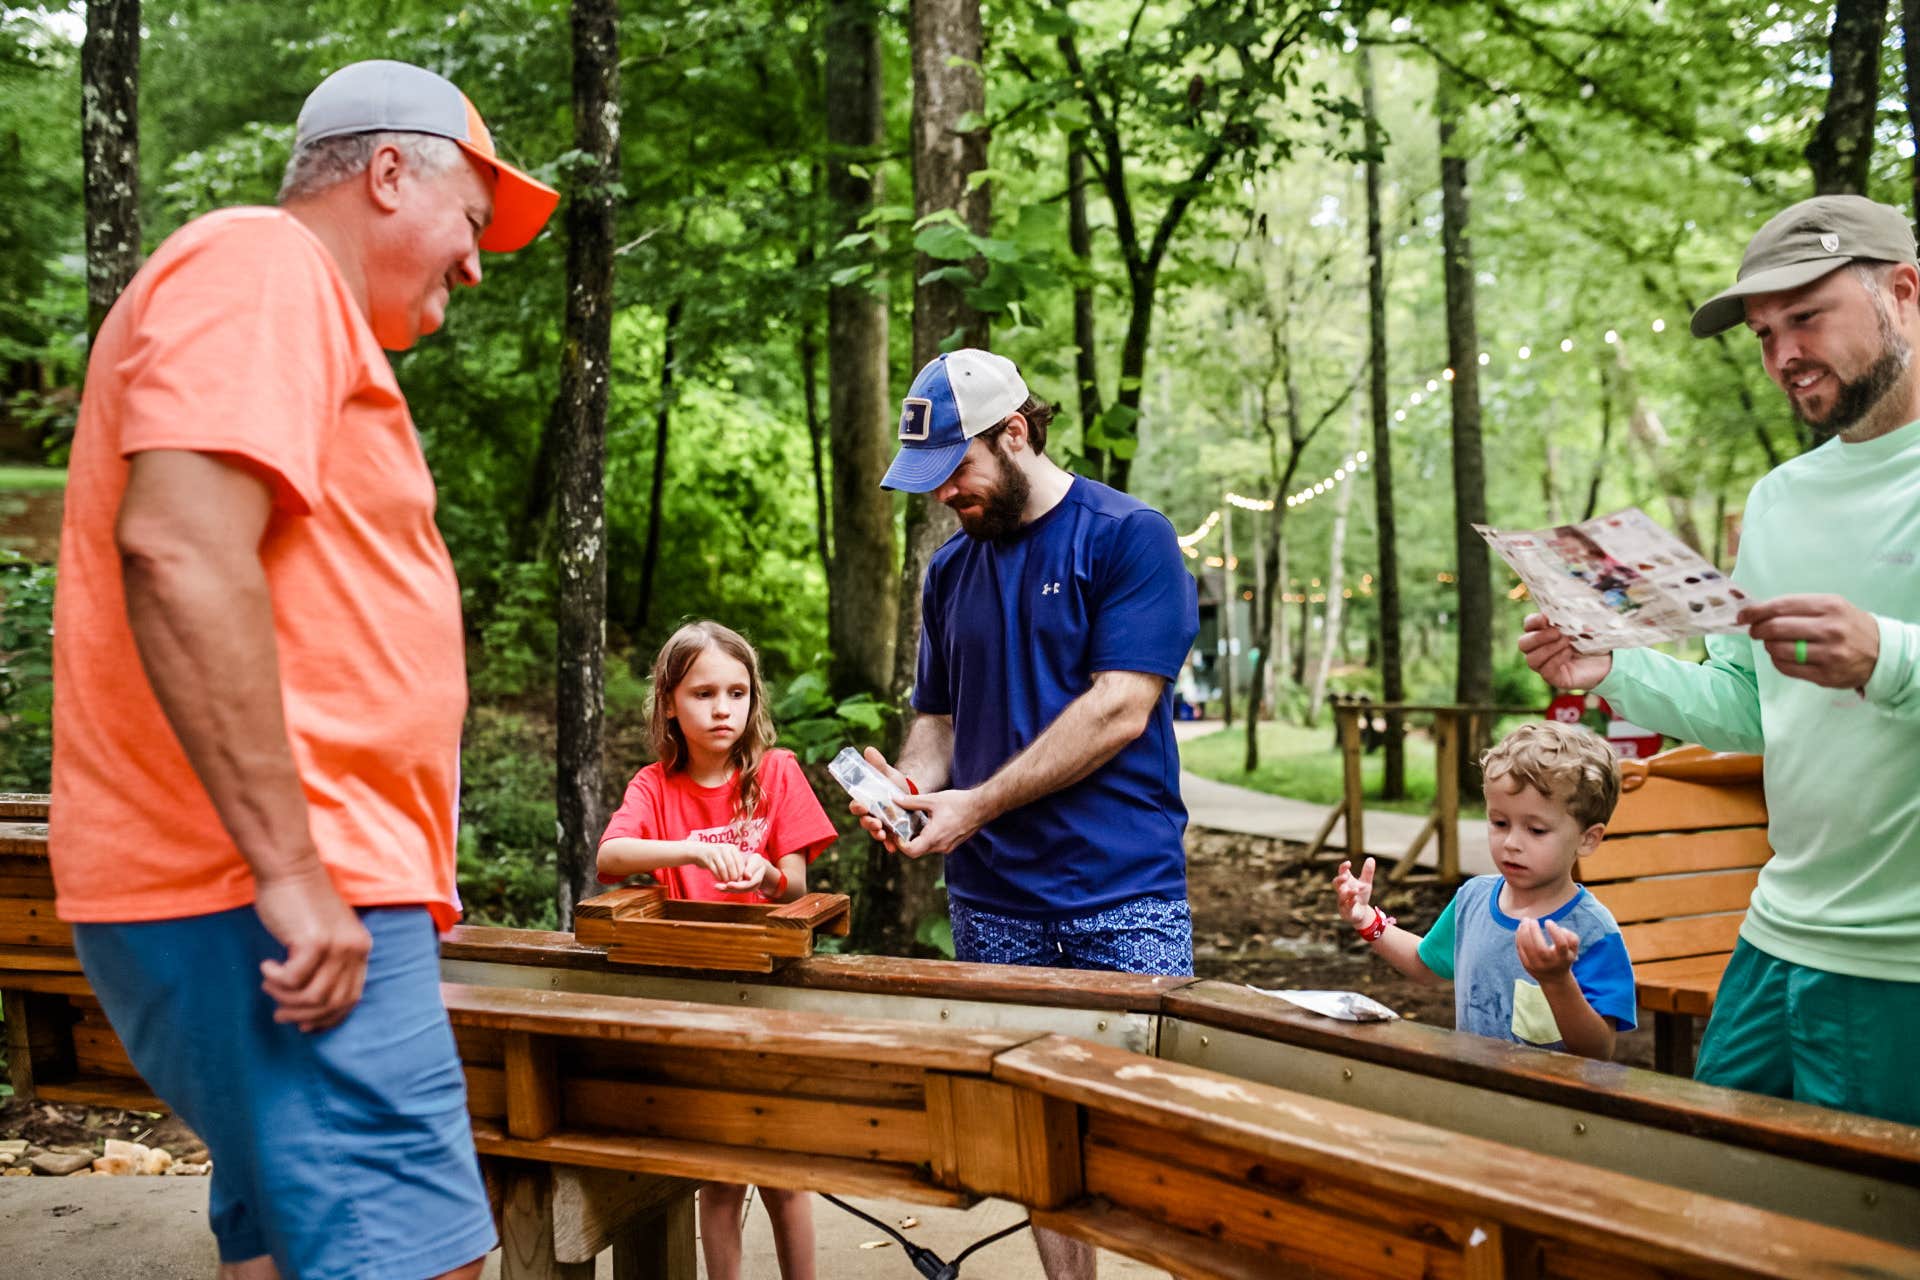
[[1620, 582]]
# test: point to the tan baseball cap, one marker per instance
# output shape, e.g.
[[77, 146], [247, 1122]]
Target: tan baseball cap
[[1803, 243], [382, 95]]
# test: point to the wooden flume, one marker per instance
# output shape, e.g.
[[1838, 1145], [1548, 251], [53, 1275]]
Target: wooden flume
[[1199, 1126]]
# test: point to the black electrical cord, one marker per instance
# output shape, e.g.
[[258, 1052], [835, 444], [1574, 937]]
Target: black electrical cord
[[926, 1261]]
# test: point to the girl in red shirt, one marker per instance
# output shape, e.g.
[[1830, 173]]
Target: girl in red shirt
[[722, 818]]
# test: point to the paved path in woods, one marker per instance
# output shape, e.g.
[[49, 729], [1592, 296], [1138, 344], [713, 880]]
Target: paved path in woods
[[1224, 807]]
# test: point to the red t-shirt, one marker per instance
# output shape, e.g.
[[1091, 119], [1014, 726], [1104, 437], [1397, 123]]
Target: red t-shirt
[[671, 806]]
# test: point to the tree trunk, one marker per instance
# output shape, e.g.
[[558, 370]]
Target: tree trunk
[[1306, 636], [947, 85], [1226, 615], [897, 893], [807, 347], [1086, 364], [1142, 282], [582, 603], [1909, 34], [662, 422], [110, 141], [1474, 674], [1393, 778], [809, 353], [862, 588], [1282, 634], [1606, 440], [1841, 151], [1336, 614]]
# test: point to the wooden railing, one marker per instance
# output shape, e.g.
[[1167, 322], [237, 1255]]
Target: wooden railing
[[1453, 724], [1203, 1127]]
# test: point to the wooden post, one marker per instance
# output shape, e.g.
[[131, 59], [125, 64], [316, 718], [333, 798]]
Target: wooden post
[[19, 1043], [663, 1248], [526, 1226], [533, 1086], [1352, 789], [1673, 1043], [1446, 791]]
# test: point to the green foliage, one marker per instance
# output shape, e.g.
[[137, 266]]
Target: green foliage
[[935, 933], [516, 635], [26, 674], [507, 821], [815, 726]]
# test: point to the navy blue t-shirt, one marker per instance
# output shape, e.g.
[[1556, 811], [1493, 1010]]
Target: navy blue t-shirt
[[1013, 631]]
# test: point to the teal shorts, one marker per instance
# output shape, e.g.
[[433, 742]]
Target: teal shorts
[[1827, 1038], [343, 1154]]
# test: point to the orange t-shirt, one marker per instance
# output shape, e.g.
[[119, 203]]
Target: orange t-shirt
[[239, 337]]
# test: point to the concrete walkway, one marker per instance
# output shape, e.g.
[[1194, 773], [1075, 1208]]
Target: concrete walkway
[[1224, 807], [156, 1229]]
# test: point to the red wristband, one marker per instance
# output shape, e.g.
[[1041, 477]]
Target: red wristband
[[1376, 927], [780, 890], [911, 789]]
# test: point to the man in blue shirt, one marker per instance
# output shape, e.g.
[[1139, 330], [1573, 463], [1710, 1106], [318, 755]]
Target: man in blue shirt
[[1043, 753]]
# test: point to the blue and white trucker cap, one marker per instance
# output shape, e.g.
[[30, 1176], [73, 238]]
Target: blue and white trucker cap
[[955, 398]]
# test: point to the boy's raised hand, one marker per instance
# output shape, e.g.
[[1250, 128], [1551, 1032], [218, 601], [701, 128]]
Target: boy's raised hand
[[1546, 955], [1356, 893]]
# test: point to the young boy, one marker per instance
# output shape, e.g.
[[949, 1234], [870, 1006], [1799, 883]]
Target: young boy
[[1534, 958]]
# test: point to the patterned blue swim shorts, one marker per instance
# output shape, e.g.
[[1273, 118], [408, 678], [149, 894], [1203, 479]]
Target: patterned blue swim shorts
[[1143, 935]]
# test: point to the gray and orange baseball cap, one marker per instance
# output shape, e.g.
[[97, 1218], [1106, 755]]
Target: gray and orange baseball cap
[[381, 95], [1802, 243]]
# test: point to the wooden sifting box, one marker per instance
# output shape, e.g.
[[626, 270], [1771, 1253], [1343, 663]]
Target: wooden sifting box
[[645, 927]]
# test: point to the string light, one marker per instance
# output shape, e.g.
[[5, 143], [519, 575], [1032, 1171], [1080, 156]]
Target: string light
[[1206, 527], [1358, 461]]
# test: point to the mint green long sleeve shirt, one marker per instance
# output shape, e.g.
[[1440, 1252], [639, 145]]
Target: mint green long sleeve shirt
[[1842, 891]]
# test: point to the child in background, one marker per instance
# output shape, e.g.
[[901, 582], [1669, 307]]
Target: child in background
[[721, 817], [1534, 958]]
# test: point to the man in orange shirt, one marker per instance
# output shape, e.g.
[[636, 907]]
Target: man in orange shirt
[[259, 686]]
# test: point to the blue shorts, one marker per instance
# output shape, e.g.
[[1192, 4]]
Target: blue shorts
[[342, 1153], [1144, 935]]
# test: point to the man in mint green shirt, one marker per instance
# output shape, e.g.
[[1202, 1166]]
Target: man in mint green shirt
[[1821, 1001]]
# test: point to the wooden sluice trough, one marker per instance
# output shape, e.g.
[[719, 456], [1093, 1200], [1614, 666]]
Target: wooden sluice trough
[[1199, 1126]]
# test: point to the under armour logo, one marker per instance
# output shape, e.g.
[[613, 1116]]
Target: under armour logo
[[1050, 589]]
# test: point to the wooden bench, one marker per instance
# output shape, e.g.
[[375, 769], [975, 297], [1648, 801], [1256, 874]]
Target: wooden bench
[[1681, 858]]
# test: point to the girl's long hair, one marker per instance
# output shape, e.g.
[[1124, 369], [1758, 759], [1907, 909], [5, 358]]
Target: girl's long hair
[[756, 735]]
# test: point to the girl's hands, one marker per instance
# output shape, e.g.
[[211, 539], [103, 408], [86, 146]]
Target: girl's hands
[[726, 863], [758, 876], [1356, 893]]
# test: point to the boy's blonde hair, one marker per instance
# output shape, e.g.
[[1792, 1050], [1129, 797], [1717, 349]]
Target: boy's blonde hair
[[1564, 762]]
